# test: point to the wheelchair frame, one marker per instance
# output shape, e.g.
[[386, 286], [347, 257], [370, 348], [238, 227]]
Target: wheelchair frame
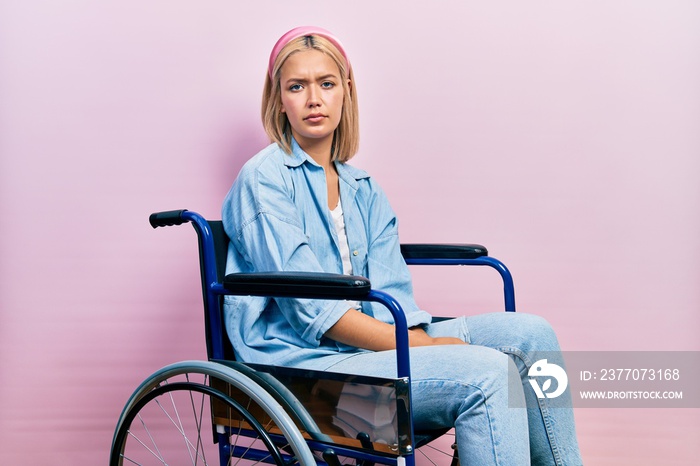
[[255, 382]]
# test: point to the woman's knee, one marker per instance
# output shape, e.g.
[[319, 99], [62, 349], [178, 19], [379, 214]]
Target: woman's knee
[[540, 332], [508, 331], [457, 378]]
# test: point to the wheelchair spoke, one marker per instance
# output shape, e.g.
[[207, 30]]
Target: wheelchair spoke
[[181, 428], [158, 456], [178, 427], [168, 407], [132, 462], [239, 434], [198, 424]]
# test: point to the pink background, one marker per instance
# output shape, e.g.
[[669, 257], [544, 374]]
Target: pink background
[[563, 135]]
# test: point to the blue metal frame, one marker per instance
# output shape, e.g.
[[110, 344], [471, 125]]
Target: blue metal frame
[[213, 288]]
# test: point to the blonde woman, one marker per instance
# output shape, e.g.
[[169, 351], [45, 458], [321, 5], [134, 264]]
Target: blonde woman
[[299, 206]]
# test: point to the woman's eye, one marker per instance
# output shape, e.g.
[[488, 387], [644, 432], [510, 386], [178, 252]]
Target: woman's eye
[[295, 87], [327, 84]]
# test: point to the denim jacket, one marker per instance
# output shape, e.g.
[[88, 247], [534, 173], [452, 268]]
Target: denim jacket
[[277, 217]]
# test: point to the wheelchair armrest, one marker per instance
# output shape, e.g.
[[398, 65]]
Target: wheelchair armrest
[[460, 254], [298, 285], [443, 251]]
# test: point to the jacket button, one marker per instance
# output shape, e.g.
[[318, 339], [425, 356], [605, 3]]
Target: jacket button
[[354, 253]]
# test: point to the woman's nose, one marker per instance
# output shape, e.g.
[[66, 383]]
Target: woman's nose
[[314, 99]]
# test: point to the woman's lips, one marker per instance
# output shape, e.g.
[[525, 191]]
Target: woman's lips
[[314, 118]]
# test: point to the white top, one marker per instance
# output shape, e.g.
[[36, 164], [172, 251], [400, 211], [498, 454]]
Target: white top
[[339, 222]]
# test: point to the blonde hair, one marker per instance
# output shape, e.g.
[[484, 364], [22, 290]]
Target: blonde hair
[[346, 138]]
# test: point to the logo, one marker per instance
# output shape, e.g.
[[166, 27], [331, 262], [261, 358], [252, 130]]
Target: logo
[[551, 371]]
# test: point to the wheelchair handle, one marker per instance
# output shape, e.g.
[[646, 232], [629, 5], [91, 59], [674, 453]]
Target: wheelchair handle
[[167, 219]]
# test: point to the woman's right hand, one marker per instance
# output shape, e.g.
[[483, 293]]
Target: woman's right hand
[[362, 331], [418, 337]]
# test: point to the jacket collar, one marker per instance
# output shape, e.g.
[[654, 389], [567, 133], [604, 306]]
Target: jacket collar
[[346, 172]]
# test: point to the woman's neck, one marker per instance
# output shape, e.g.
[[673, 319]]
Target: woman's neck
[[318, 149]]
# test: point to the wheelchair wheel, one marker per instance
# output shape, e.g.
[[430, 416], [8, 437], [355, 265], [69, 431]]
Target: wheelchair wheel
[[205, 413]]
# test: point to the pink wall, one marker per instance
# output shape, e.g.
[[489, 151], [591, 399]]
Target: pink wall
[[563, 135]]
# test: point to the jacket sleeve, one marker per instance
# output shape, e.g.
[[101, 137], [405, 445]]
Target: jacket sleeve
[[265, 229]]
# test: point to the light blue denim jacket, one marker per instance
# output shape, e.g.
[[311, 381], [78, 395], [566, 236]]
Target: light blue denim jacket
[[277, 217]]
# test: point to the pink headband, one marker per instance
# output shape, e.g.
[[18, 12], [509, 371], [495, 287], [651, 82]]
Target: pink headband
[[303, 31]]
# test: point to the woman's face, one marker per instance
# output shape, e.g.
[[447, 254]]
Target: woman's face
[[312, 97]]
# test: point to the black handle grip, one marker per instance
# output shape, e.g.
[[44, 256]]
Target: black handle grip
[[167, 219]]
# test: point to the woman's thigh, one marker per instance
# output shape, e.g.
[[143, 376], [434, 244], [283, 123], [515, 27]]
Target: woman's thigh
[[504, 331], [446, 379]]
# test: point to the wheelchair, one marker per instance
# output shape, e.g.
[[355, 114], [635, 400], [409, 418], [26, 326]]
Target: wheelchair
[[222, 411]]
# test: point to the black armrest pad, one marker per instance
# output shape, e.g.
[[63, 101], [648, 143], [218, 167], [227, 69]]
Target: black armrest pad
[[443, 251], [298, 285]]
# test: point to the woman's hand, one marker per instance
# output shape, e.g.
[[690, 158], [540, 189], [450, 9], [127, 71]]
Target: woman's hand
[[418, 337], [362, 331]]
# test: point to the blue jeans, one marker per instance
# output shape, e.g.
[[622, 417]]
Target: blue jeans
[[468, 387]]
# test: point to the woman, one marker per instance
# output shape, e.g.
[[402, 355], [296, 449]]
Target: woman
[[298, 206]]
